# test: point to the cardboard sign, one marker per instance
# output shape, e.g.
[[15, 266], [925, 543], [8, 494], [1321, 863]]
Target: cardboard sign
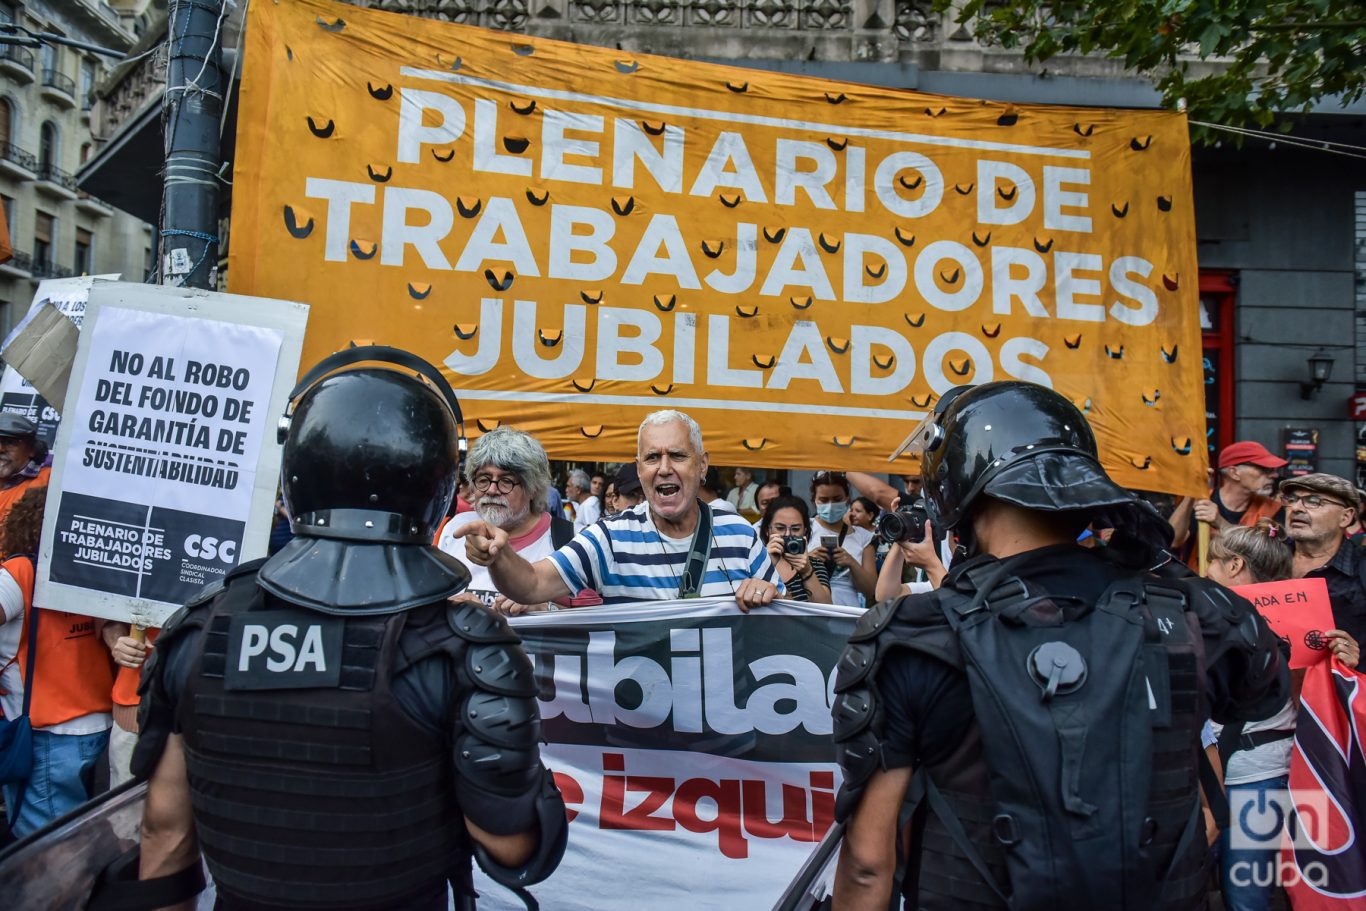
[[166, 467], [585, 235], [17, 392], [1298, 610]]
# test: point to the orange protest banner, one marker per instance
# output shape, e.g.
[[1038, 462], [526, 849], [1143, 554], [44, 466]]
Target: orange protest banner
[[583, 235], [1298, 610]]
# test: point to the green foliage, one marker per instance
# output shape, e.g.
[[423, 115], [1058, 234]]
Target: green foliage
[[1234, 62]]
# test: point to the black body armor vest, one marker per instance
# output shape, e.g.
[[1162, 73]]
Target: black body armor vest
[[1084, 796], [311, 786]]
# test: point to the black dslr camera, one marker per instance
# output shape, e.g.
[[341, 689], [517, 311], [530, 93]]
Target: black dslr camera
[[906, 524], [794, 544]]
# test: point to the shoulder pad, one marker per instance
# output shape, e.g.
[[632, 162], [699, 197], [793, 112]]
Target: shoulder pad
[[874, 619], [191, 615], [502, 721], [251, 567], [206, 594], [1216, 606], [894, 623], [476, 623], [500, 667]]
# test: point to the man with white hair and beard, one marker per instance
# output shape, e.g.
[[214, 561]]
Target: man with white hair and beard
[[509, 477]]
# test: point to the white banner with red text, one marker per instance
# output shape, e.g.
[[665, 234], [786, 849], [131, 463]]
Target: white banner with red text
[[692, 745]]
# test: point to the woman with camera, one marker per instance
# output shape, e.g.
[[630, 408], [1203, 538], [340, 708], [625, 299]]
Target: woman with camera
[[849, 553], [785, 526]]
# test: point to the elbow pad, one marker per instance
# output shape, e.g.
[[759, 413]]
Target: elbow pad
[[1246, 663], [167, 662], [497, 738], [547, 814]]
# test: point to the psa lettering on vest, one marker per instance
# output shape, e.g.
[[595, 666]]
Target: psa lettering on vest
[[275, 650]]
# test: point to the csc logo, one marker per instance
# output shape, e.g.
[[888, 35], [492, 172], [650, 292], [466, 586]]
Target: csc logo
[[210, 548]]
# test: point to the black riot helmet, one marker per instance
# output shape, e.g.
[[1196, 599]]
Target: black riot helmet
[[371, 462], [1018, 442]]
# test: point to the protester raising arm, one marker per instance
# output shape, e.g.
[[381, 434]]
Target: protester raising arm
[[522, 582], [875, 489]]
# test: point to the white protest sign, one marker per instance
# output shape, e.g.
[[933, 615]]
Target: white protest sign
[[692, 744], [167, 463], [69, 295]]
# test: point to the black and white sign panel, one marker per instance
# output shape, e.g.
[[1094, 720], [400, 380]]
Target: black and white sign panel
[[166, 459]]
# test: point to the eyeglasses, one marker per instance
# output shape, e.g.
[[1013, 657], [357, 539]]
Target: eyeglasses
[[505, 484], [1310, 501]]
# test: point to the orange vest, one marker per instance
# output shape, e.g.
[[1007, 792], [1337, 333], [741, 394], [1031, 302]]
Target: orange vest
[[128, 679], [73, 670], [9, 495], [1258, 508]]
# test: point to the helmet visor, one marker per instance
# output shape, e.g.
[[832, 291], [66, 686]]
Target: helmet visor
[[926, 437]]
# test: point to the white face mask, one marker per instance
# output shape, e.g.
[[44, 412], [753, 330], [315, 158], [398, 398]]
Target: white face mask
[[831, 512]]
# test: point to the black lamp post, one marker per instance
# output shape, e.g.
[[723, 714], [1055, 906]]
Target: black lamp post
[[1320, 371]]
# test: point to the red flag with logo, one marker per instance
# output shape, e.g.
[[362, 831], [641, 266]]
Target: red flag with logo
[[1324, 862]]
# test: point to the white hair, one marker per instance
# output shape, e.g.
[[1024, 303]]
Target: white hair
[[579, 478], [670, 416], [514, 451]]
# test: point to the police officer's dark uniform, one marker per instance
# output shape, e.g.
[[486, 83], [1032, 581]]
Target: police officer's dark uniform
[[1050, 704], [340, 720]]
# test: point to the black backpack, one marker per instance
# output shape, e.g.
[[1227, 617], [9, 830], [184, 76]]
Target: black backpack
[[1089, 719]]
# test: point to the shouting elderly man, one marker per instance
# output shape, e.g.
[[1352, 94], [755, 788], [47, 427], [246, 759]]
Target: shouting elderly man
[[509, 477], [670, 546]]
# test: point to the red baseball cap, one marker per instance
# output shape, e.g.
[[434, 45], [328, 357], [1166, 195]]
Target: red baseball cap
[[1247, 452]]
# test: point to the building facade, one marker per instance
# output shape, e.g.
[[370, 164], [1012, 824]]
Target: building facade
[[1281, 230], [46, 98]]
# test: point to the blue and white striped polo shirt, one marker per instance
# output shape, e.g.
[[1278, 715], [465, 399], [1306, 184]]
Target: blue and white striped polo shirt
[[625, 558]]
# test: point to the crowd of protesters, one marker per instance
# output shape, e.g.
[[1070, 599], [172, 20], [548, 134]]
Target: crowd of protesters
[[628, 533]]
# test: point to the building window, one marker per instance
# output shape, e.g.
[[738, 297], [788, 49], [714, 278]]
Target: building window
[[85, 152], [148, 264], [6, 122], [44, 229], [85, 263], [8, 13], [51, 58], [9, 204], [87, 83], [47, 146]]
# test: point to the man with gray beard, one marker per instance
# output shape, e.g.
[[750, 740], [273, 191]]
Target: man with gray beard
[[509, 477]]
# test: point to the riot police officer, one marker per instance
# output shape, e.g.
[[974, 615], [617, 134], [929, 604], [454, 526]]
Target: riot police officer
[[325, 726], [1027, 736]]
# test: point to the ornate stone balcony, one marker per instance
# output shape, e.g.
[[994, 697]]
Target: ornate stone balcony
[[17, 162], [17, 63], [59, 88]]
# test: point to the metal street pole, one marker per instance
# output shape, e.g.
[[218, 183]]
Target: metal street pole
[[190, 114]]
